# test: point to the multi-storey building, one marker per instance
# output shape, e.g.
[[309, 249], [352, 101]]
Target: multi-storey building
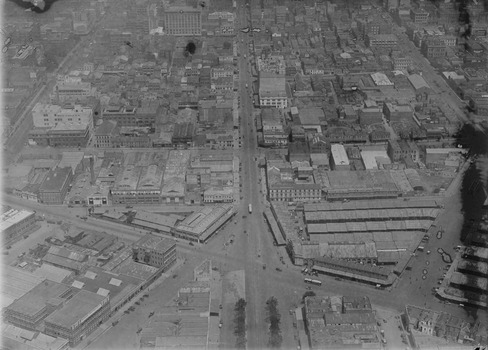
[[419, 15], [272, 91], [30, 310], [14, 223], [72, 89], [402, 63], [386, 41], [398, 150], [69, 135], [222, 72], [79, 316], [104, 134], [49, 115], [131, 116], [340, 161], [218, 195], [55, 187], [155, 251], [182, 21], [433, 48]]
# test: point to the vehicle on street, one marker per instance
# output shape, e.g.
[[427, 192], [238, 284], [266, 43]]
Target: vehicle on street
[[278, 269], [440, 250], [250, 208], [428, 252], [439, 234], [311, 281]]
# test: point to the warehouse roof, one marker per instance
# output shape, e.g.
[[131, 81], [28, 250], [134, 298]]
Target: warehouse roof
[[15, 283], [339, 154], [13, 217], [36, 299], [77, 308]]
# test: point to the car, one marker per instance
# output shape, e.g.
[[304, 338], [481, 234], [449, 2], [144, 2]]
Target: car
[[439, 234], [278, 269], [220, 306], [440, 250], [428, 252]]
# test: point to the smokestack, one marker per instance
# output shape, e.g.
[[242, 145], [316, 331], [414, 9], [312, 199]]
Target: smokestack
[[92, 171]]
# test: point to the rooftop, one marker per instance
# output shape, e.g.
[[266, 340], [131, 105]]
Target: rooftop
[[55, 179], [36, 299], [339, 154], [77, 308], [155, 242], [12, 217]]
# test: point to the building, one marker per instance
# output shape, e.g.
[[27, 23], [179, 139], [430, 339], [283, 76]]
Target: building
[[272, 92], [182, 21], [104, 133], [64, 134], [340, 161], [131, 116], [341, 323], [425, 326], [30, 310], [382, 41], [370, 115], [437, 156], [395, 113], [14, 223], [203, 223], [141, 179], [183, 133], [155, 251], [398, 150], [218, 195], [72, 89], [419, 15], [56, 185], [18, 338], [433, 48], [49, 115], [78, 317], [402, 63]]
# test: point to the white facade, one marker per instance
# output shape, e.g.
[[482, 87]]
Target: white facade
[[273, 101], [339, 157], [48, 115]]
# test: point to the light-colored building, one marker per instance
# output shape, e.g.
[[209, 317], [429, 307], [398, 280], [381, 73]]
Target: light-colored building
[[340, 161], [182, 21], [218, 195], [49, 115], [14, 223], [79, 316], [386, 41], [272, 92], [72, 89]]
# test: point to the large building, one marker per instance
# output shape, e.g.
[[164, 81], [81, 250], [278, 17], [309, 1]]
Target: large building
[[141, 179], [56, 185], [49, 115], [182, 21], [131, 116], [64, 134], [72, 90], [202, 224], [14, 223], [340, 161], [272, 92], [341, 323], [78, 317], [382, 41], [155, 251], [30, 310]]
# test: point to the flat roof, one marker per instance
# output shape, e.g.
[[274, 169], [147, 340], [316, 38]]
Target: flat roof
[[15, 283], [150, 241], [311, 115], [339, 154], [13, 217], [78, 307], [36, 299], [55, 179]]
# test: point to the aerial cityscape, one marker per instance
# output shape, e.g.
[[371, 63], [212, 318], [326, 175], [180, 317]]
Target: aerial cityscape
[[232, 174]]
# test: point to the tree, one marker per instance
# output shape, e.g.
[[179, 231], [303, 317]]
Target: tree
[[273, 318], [240, 323]]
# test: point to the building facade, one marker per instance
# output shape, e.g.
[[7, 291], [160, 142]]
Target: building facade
[[55, 187], [155, 251]]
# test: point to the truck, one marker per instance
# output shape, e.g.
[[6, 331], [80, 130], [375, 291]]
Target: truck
[[250, 208]]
